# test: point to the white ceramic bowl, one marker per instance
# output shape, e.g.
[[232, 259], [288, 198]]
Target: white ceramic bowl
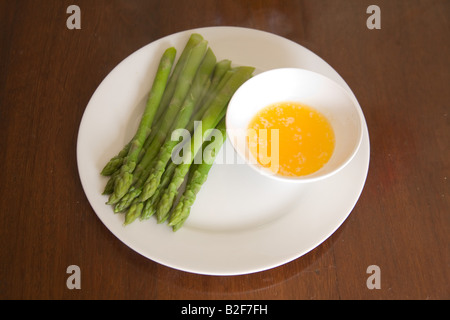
[[305, 87]]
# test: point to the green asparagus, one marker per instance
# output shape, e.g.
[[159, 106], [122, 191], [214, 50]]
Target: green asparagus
[[188, 79], [124, 179], [133, 213], [208, 99], [114, 164], [209, 121], [144, 178], [195, 94], [194, 39], [219, 71], [183, 84], [198, 176], [151, 203], [159, 163]]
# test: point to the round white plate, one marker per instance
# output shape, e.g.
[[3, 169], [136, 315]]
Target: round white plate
[[241, 222]]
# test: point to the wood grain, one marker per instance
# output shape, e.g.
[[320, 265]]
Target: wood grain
[[400, 75]]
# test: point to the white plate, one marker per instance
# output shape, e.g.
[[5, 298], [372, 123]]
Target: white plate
[[241, 222]]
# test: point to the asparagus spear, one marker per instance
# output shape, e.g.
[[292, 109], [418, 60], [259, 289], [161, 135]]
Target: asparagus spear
[[209, 121], [151, 204], [193, 40], [221, 74], [220, 69], [183, 85], [144, 210], [148, 154], [198, 176], [128, 199], [184, 82], [208, 99], [159, 84], [133, 213], [201, 79], [115, 162], [109, 187]]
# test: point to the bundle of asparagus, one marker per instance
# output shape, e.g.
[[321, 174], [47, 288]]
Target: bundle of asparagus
[[143, 178]]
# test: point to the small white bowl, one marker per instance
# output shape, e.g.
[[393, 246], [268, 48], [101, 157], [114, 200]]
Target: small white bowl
[[305, 87]]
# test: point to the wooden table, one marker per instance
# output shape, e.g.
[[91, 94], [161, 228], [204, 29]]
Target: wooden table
[[399, 73]]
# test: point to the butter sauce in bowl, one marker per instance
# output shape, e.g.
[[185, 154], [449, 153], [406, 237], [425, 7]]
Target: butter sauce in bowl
[[294, 125]]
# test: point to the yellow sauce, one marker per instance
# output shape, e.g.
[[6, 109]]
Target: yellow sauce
[[303, 143]]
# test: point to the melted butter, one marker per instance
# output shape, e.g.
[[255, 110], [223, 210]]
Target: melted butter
[[305, 139]]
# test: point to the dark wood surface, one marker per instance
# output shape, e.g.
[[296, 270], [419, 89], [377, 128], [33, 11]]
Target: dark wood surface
[[399, 73]]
